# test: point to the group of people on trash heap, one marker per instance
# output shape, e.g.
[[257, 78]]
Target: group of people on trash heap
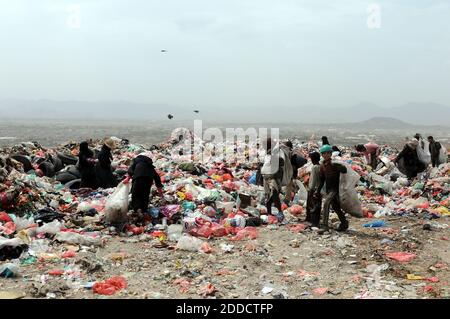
[[97, 172], [284, 172], [408, 159], [279, 168]]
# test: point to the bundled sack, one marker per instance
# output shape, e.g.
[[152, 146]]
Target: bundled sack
[[116, 208], [423, 152], [348, 196], [271, 165], [443, 157]]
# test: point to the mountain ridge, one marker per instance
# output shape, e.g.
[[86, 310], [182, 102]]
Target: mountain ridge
[[413, 113]]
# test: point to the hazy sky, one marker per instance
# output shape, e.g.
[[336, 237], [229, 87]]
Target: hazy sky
[[227, 52]]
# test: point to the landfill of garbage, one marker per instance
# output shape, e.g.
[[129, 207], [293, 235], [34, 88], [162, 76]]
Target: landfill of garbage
[[209, 236]]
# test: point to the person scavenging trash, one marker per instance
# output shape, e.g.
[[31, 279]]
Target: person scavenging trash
[[371, 152], [314, 203], [330, 176], [297, 162], [408, 161], [143, 175], [86, 166], [435, 149], [276, 172], [103, 168]]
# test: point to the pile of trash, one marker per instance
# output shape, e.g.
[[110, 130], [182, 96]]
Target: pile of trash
[[206, 197]]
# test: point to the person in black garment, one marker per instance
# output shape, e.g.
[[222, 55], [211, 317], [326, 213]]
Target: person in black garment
[[103, 169], [86, 165], [143, 174]]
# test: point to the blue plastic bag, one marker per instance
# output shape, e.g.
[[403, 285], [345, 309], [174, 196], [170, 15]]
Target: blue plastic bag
[[375, 224]]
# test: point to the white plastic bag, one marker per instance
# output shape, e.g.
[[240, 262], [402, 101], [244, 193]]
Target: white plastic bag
[[50, 228], [174, 232], [14, 242], [116, 207], [77, 239], [189, 243], [84, 207], [23, 223], [302, 192], [381, 182]]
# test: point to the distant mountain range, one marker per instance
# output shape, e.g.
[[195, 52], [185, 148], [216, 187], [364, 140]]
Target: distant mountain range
[[425, 114], [386, 123]]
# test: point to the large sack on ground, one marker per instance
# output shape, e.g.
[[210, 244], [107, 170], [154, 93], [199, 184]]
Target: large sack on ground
[[116, 207], [348, 196]]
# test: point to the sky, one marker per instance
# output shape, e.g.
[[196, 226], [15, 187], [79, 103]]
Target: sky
[[227, 53]]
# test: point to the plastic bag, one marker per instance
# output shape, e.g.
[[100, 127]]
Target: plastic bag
[[375, 224], [84, 207], [302, 192], [189, 243], [4, 217], [208, 195], [22, 223], [203, 231], [110, 286], [6, 242], [50, 228], [9, 270], [348, 196], [116, 208], [170, 210], [295, 210], [174, 232], [227, 207], [8, 228], [74, 238], [246, 233], [402, 257]]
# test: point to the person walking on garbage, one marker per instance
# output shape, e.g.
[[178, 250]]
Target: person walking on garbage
[[86, 165], [272, 176], [371, 152], [297, 162], [314, 203], [103, 169], [435, 149], [411, 165], [330, 175], [143, 174]]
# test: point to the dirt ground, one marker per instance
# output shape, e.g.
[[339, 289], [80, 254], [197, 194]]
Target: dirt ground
[[278, 264]]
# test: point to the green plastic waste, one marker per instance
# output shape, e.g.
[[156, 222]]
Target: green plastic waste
[[28, 261], [188, 205]]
